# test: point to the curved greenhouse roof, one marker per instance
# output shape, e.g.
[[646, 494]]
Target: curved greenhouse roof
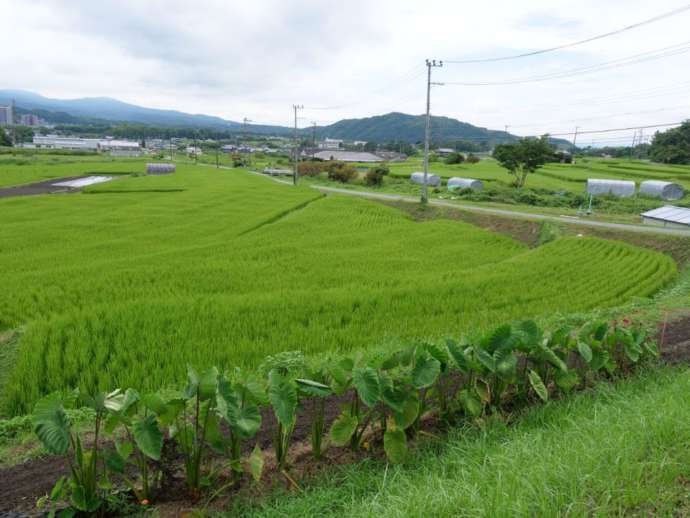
[[160, 168], [620, 188], [431, 179], [663, 190], [465, 183]]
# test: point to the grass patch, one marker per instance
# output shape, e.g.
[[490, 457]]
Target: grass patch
[[619, 449]]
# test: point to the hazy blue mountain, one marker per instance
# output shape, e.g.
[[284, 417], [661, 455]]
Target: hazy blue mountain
[[380, 128], [108, 109]]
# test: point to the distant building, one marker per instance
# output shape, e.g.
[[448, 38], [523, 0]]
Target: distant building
[[7, 115], [191, 150], [348, 156], [55, 142], [445, 151], [116, 147], [330, 143], [29, 119]]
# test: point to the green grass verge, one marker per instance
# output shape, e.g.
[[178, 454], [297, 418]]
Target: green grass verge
[[619, 449]]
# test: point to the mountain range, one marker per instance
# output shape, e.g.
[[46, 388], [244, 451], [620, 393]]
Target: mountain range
[[381, 128]]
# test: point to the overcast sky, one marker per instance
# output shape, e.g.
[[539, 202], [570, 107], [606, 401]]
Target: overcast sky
[[255, 59]]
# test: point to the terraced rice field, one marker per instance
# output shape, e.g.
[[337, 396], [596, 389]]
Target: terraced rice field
[[127, 283]]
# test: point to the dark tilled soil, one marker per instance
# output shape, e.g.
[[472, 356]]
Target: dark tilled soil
[[32, 189], [22, 485], [674, 341]]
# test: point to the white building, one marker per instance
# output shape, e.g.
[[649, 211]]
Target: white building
[[116, 147], [29, 119], [330, 143], [6, 115]]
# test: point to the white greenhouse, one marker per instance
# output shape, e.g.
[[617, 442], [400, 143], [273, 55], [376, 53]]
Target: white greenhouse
[[663, 190], [668, 216], [456, 183], [619, 188], [160, 168], [431, 179]]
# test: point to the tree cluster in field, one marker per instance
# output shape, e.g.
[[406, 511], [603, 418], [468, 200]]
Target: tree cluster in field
[[524, 157], [388, 397], [459, 158], [672, 146]]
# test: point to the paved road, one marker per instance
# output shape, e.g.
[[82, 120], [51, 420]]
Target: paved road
[[510, 213]]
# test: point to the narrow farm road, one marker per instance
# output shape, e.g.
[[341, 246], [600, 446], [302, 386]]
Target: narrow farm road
[[510, 213]]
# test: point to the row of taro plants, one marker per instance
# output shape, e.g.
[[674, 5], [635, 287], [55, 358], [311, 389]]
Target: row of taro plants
[[217, 417]]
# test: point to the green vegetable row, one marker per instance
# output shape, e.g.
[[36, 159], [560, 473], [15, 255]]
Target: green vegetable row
[[389, 397]]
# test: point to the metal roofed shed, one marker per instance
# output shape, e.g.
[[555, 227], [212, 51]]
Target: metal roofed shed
[[160, 168], [664, 190], [619, 188], [431, 179], [668, 216], [456, 183]]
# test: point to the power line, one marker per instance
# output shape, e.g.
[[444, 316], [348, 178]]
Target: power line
[[611, 130], [575, 43], [672, 50]]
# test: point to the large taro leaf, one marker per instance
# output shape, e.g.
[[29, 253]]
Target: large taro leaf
[[283, 397], [395, 444], [470, 403], [538, 385], [51, 424], [425, 372], [366, 381], [408, 413], [313, 388], [148, 436], [343, 428]]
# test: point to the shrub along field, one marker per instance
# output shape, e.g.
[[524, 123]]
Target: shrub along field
[[127, 283]]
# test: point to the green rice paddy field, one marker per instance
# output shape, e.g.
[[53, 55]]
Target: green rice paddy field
[[127, 283]]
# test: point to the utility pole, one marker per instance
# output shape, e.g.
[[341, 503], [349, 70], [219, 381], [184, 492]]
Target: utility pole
[[313, 134], [505, 130], [427, 133], [295, 173], [572, 162], [632, 146], [217, 148], [195, 148], [244, 127]]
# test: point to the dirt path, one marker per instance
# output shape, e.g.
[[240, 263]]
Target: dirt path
[[22, 485], [509, 213], [44, 187]]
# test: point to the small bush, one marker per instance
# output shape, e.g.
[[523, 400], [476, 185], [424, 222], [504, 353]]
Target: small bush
[[341, 172], [311, 168], [455, 158], [472, 159], [375, 175]]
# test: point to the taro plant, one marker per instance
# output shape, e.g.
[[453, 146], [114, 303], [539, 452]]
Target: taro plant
[[282, 393], [86, 486], [317, 390], [238, 404], [189, 417], [143, 443]]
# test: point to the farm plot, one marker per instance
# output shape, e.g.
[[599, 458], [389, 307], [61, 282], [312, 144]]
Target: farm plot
[[230, 267], [23, 170]]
